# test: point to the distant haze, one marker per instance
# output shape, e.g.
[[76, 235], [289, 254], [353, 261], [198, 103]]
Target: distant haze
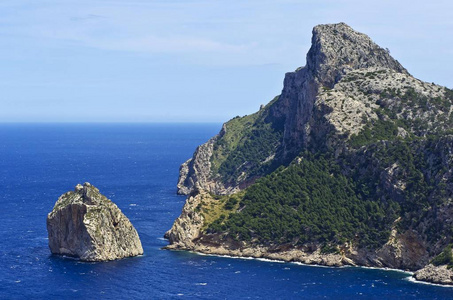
[[188, 61]]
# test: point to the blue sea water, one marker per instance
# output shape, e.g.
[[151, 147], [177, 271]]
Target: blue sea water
[[136, 165]]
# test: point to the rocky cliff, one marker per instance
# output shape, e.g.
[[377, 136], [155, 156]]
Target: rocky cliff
[[190, 232], [336, 50], [351, 164], [87, 225]]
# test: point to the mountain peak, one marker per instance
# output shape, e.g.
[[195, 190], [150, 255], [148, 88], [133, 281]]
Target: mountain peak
[[337, 49]]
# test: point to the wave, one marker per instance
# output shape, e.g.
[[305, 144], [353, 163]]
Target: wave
[[413, 280]]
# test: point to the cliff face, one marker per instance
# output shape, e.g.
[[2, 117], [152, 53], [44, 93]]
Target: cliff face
[[336, 50], [87, 225], [244, 150], [351, 164]]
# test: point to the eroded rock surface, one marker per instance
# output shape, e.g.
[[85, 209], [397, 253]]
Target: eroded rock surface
[[355, 105], [87, 225], [433, 274]]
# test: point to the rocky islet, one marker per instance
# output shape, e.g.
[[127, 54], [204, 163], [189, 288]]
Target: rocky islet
[[86, 225]]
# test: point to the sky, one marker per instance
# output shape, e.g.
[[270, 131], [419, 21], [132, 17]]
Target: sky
[[189, 60]]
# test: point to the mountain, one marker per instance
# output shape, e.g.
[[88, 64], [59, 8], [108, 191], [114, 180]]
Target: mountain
[[351, 164]]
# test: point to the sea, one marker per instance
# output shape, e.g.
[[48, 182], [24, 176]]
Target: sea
[[136, 166]]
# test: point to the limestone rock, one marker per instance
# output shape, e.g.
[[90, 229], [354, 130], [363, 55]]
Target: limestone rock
[[196, 172], [403, 251], [87, 225], [433, 274], [350, 87], [336, 50], [188, 226]]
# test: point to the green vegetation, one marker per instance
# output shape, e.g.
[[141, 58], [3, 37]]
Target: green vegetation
[[444, 258], [347, 199], [417, 114], [308, 202], [408, 161], [215, 208], [448, 94], [246, 144], [394, 169], [409, 172], [375, 130]]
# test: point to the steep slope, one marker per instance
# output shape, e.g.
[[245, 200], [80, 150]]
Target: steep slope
[[242, 151], [87, 225], [351, 164], [336, 50]]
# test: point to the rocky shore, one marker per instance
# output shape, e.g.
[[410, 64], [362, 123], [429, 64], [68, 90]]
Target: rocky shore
[[292, 255], [438, 275], [430, 274], [402, 251]]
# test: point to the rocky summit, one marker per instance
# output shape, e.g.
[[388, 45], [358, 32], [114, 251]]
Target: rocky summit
[[351, 164], [86, 225]]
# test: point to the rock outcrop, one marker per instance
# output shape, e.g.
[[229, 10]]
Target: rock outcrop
[[336, 50], [402, 251], [433, 274], [196, 172], [188, 226], [86, 225], [386, 135]]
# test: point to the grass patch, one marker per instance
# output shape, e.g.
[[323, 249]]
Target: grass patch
[[215, 208]]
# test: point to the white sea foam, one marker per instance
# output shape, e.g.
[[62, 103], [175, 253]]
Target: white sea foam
[[271, 260], [413, 280], [223, 255], [409, 277], [313, 265], [384, 269]]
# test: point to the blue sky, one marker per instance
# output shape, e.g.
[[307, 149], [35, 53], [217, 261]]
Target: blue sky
[[191, 60]]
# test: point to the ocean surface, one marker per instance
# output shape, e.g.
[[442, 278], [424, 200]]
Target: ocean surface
[[137, 166]]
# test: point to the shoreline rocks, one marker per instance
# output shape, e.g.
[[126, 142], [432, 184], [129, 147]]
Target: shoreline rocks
[[439, 275], [401, 252], [435, 274], [86, 225]]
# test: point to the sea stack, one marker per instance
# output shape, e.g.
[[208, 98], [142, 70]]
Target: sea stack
[[87, 225]]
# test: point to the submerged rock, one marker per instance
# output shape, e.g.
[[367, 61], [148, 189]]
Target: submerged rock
[[87, 225]]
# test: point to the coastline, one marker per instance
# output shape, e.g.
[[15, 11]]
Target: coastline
[[297, 263], [275, 258], [399, 253]]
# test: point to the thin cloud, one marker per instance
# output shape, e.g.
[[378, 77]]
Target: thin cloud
[[88, 17], [120, 29], [145, 43], [168, 45]]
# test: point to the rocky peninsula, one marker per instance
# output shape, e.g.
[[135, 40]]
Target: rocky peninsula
[[352, 164], [86, 225]]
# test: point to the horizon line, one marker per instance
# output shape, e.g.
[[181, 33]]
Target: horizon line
[[109, 122]]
